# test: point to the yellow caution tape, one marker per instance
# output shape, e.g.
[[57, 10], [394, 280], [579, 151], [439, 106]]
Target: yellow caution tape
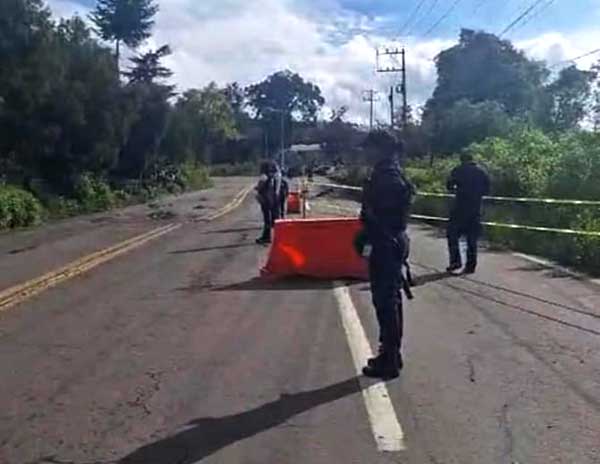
[[517, 226], [422, 217], [554, 201]]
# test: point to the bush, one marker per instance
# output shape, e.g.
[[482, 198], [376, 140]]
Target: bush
[[18, 208], [588, 247], [529, 163], [195, 177], [93, 194]]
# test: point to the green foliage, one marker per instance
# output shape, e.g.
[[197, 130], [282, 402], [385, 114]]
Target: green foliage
[[588, 247], [284, 95], [464, 123], [568, 98], [195, 177], [519, 164], [529, 163], [127, 21], [147, 68], [201, 121], [93, 194], [486, 87], [18, 208]]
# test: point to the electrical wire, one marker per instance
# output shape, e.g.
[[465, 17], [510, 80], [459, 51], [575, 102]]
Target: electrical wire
[[478, 6], [442, 18], [411, 18], [521, 17], [434, 3], [536, 15], [572, 60]]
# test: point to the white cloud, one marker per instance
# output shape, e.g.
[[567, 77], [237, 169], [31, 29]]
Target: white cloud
[[66, 8], [238, 40], [556, 48]]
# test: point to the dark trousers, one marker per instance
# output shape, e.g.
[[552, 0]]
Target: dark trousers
[[385, 272], [270, 214], [471, 229]]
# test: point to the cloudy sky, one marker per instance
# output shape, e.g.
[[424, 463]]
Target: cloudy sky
[[333, 42]]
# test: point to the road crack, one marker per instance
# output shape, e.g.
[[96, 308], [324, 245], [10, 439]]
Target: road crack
[[145, 393], [471, 369]]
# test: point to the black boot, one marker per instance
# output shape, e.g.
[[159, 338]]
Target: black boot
[[384, 367], [373, 361]]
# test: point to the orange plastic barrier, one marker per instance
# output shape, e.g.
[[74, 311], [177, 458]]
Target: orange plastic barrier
[[293, 203], [321, 248]]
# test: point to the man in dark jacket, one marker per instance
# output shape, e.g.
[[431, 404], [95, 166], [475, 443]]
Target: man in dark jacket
[[387, 197], [268, 193], [470, 183]]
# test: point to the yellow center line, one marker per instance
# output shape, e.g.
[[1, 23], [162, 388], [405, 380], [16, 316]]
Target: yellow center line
[[21, 292]]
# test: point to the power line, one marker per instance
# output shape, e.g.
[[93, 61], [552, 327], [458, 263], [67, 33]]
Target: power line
[[478, 6], [538, 14], [412, 16], [522, 16], [572, 60], [443, 17], [429, 11]]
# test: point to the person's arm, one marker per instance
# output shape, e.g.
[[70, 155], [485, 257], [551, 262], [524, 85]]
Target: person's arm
[[452, 182], [364, 209], [487, 188]]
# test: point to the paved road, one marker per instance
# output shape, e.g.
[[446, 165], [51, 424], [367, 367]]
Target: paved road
[[177, 353]]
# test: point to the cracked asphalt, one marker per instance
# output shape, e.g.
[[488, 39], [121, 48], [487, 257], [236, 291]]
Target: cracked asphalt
[[177, 353]]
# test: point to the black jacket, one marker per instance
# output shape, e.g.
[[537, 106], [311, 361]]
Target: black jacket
[[470, 183], [387, 197]]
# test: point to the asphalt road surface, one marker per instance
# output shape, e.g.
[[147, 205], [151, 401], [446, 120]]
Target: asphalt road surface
[[177, 353]]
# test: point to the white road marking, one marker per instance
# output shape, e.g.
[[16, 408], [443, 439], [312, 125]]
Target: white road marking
[[382, 416]]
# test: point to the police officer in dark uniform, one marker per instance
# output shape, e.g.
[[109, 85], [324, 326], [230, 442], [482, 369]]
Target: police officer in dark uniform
[[268, 193], [470, 183], [387, 197]]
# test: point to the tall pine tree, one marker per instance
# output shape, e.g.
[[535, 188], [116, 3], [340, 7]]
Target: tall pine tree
[[124, 21]]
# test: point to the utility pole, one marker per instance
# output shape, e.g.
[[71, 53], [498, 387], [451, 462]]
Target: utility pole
[[391, 99], [282, 114], [370, 96], [404, 97], [391, 54], [282, 160]]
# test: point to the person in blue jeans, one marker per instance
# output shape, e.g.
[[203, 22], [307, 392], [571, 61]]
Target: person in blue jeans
[[470, 183]]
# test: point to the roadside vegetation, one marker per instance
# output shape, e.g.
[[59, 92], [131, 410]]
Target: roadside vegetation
[[103, 133]]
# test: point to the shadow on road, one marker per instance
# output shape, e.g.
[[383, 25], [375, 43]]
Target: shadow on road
[[548, 271], [219, 247], [259, 283], [206, 436], [419, 281], [232, 231]]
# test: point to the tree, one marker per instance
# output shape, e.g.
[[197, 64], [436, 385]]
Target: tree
[[284, 93], [464, 123], [150, 97], [201, 121], [147, 68], [483, 68], [127, 21], [568, 98], [595, 105]]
